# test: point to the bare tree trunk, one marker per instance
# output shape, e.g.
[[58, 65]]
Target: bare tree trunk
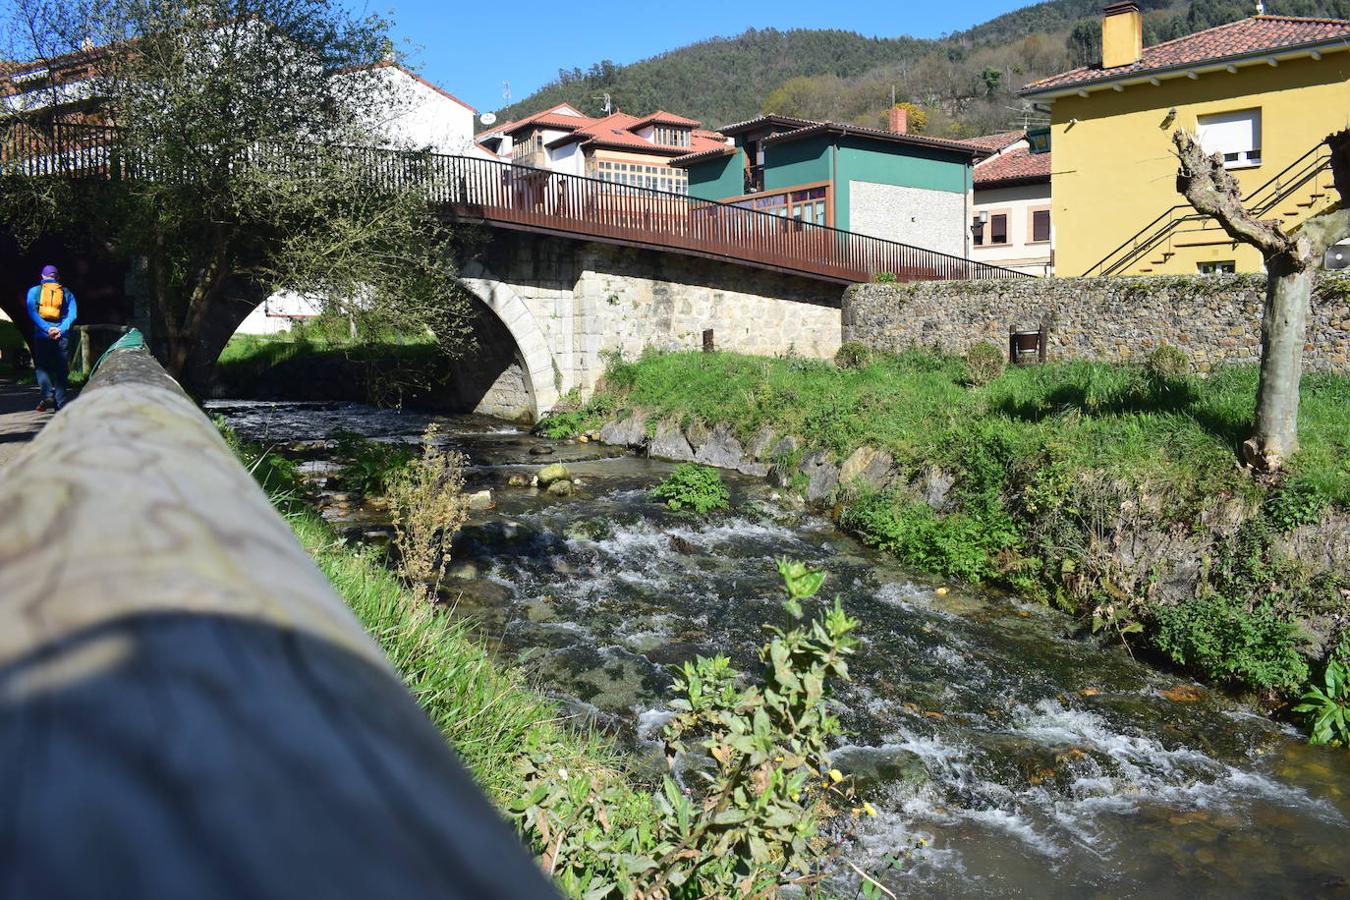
[[1284, 323], [1291, 259]]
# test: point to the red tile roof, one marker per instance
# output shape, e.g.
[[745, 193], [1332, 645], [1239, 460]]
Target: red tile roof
[[661, 117], [1019, 166], [1256, 35], [995, 142], [617, 131], [549, 119]]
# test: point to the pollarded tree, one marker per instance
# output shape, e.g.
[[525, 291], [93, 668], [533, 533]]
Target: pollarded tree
[[1291, 258], [236, 120]]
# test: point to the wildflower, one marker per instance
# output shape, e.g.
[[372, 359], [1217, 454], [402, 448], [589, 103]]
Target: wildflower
[[562, 773], [867, 808], [836, 776]]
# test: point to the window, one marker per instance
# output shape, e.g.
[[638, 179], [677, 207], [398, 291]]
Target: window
[[1226, 267], [1040, 226], [661, 178], [671, 137], [977, 229], [1236, 135], [998, 228]]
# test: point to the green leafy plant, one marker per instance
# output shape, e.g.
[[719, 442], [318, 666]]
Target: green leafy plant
[[1327, 707], [695, 487], [560, 426], [1233, 641], [884, 278], [984, 363], [367, 465], [754, 786], [276, 474], [1294, 504]]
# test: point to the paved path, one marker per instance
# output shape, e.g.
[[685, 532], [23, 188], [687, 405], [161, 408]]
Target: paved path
[[19, 418]]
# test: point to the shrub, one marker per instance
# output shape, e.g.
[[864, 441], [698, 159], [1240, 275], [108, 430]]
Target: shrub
[[984, 363], [1232, 641], [428, 504], [1168, 363], [852, 355], [758, 782], [884, 278], [695, 487], [955, 545]]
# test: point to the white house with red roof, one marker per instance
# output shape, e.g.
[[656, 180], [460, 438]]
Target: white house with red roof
[[619, 148], [1011, 225]]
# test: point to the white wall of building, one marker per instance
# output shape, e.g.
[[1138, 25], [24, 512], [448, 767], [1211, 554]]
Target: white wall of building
[[933, 220], [1020, 253], [568, 159], [279, 312], [419, 116]]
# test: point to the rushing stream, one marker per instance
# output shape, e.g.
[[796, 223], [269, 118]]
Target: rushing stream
[[1031, 763]]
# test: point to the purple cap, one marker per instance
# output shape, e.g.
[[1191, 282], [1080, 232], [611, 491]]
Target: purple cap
[[49, 271]]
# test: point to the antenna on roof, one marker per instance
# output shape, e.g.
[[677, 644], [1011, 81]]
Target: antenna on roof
[[608, 106], [506, 91], [1260, 7]]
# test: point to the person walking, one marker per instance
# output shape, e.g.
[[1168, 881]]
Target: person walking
[[52, 309]]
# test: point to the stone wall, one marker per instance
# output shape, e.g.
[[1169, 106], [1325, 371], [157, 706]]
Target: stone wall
[[568, 304], [1215, 319]]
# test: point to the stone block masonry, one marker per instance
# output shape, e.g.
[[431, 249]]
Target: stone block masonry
[[567, 304], [1215, 318]]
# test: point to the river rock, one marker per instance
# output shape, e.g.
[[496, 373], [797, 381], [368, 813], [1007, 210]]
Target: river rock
[[721, 449], [869, 465], [682, 545], [697, 434], [786, 447], [757, 469], [629, 432], [762, 443], [548, 475], [561, 488], [480, 500], [822, 476], [519, 481], [542, 450], [934, 486], [874, 766], [671, 444]]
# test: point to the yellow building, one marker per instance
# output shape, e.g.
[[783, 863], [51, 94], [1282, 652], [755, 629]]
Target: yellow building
[[1264, 92]]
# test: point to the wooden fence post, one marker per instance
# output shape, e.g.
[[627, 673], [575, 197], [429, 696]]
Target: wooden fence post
[[186, 707]]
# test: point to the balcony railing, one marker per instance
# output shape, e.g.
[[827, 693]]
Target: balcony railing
[[538, 200]]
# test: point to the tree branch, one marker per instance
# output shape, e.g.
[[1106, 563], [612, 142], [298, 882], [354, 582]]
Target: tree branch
[[1212, 190], [1333, 227]]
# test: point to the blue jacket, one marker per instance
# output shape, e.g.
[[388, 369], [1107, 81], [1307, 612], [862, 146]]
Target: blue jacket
[[40, 324]]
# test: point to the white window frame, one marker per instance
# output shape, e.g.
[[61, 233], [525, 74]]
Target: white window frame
[[1235, 134]]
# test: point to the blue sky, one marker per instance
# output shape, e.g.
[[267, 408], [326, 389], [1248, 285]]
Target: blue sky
[[471, 48]]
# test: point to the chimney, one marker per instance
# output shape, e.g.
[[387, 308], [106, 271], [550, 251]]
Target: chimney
[[899, 123], [1122, 34]]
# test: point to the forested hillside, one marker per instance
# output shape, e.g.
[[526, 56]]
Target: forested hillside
[[965, 83]]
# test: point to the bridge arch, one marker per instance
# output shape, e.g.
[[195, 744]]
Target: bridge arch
[[537, 366]]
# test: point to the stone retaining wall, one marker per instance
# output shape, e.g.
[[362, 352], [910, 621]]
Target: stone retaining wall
[[1215, 319]]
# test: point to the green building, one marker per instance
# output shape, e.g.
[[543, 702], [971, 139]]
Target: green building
[[888, 184]]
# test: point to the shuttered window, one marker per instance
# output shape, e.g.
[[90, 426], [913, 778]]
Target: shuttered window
[[1040, 225], [998, 228], [1236, 135]]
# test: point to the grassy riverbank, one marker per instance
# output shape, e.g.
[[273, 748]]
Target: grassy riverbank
[[487, 712], [1108, 490]]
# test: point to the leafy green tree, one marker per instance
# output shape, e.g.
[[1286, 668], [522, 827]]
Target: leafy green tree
[[1084, 42], [235, 118]]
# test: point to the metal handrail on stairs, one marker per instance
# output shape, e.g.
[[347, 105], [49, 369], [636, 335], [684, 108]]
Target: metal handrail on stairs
[[1259, 202]]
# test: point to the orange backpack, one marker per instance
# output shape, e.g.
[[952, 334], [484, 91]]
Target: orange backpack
[[51, 300]]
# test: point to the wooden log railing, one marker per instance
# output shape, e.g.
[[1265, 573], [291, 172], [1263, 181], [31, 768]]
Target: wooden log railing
[[187, 709], [532, 199]]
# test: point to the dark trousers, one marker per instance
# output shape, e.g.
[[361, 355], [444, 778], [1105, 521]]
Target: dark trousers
[[50, 360]]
